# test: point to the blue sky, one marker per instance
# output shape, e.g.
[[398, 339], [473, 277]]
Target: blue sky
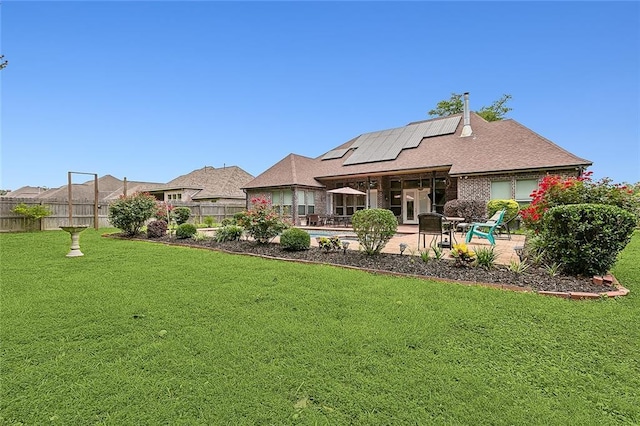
[[154, 90]]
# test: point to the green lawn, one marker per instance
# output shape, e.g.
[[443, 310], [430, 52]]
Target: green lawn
[[137, 333]]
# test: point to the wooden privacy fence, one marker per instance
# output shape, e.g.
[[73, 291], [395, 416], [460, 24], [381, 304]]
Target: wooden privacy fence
[[83, 213]]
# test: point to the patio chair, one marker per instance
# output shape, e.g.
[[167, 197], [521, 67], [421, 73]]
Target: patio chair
[[486, 229], [313, 220], [433, 224], [505, 227]]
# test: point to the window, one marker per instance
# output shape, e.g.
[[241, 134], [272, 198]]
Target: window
[[302, 207], [287, 202], [501, 190], [306, 203], [395, 197], [281, 201], [524, 188], [311, 202], [349, 204]]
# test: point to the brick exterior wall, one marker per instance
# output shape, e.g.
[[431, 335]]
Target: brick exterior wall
[[479, 187], [464, 188]]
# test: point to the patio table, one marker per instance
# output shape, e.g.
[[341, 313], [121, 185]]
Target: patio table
[[454, 222]]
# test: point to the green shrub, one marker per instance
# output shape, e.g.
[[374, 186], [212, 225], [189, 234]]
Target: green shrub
[[156, 229], [31, 214], [511, 206], [181, 214], [486, 257], [209, 221], [233, 220], [229, 233], [130, 213], [374, 228], [586, 238], [185, 230], [295, 239], [262, 222], [471, 210]]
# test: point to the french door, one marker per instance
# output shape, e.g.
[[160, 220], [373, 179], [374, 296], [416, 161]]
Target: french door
[[414, 202]]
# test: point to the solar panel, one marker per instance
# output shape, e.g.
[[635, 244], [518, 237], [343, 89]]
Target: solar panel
[[387, 144], [336, 153]]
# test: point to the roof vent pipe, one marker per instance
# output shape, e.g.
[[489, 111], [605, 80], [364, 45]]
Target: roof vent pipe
[[466, 128]]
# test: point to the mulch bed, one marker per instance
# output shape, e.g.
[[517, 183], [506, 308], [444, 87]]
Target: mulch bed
[[534, 278]]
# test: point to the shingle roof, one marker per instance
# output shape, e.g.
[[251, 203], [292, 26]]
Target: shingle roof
[[109, 188], [225, 182], [291, 170], [495, 147], [25, 192]]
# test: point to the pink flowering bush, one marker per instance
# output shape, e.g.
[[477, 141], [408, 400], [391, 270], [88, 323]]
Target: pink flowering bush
[[582, 225], [132, 212], [556, 191], [261, 222], [163, 211]]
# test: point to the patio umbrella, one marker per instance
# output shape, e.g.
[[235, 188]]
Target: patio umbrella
[[346, 190]]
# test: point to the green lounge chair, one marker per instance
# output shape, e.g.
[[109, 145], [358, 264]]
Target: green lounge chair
[[486, 229]]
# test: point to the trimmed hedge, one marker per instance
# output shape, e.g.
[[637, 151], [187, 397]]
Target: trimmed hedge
[[511, 206], [585, 239], [374, 228], [186, 230], [181, 214], [295, 239]]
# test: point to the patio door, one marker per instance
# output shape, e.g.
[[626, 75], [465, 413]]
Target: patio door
[[373, 199], [414, 202]]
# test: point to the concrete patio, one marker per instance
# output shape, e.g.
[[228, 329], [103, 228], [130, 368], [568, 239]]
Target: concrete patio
[[408, 234]]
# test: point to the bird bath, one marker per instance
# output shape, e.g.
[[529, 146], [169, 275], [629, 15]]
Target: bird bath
[[75, 239]]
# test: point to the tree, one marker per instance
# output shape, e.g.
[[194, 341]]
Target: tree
[[3, 62], [130, 213], [455, 105], [445, 108], [32, 214]]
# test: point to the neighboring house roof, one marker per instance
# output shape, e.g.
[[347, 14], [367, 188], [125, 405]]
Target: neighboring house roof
[[495, 147], [25, 192], [210, 182], [109, 188]]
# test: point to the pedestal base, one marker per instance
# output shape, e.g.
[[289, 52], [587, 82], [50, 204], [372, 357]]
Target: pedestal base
[[75, 239]]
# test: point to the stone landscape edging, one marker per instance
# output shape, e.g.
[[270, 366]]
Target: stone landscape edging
[[572, 295]]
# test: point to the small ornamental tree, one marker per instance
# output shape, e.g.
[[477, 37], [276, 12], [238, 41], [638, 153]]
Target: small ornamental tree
[[374, 228], [130, 213], [31, 214], [261, 222]]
